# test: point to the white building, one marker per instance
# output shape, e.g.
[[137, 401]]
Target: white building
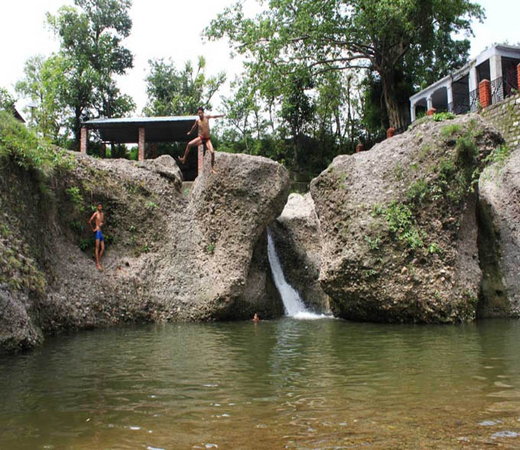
[[459, 92]]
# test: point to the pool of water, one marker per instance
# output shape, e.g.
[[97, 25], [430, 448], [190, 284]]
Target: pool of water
[[278, 384]]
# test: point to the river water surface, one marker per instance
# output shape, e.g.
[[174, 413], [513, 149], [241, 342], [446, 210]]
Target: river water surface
[[276, 384]]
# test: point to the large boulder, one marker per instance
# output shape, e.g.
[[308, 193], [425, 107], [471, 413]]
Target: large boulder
[[398, 225], [220, 269], [499, 214], [297, 237], [172, 253]]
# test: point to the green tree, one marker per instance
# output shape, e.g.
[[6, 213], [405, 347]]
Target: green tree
[[330, 35], [90, 55], [42, 83], [6, 100], [244, 114], [179, 92]]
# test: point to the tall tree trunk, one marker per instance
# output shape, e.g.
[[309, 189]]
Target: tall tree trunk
[[395, 114], [77, 128]]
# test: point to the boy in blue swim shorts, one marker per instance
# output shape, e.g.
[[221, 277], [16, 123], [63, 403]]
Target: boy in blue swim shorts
[[96, 221]]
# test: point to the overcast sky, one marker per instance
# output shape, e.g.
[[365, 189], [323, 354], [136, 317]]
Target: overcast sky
[[172, 28]]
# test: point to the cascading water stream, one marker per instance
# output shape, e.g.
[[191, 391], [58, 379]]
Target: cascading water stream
[[292, 302]]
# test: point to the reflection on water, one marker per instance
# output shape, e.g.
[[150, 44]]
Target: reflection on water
[[287, 383]]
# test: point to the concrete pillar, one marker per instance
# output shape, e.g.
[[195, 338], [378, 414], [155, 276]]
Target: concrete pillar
[[449, 92], [83, 140], [141, 142], [429, 103], [484, 93], [472, 79], [200, 159], [103, 150], [495, 67], [473, 88], [412, 111]]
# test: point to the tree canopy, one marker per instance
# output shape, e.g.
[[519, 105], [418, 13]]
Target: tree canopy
[[179, 92], [79, 78], [6, 100], [320, 36]]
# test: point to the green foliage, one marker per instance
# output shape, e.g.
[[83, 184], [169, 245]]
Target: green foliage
[[442, 116], [418, 192], [6, 100], [322, 36], [449, 130], [399, 172], [173, 92], [499, 155], [434, 248], [210, 248], [373, 243], [401, 223], [44, 79], [27, 150], [76, 198], [78, 80], [377, 210], [85, 244], [151, 205], [466, 151]]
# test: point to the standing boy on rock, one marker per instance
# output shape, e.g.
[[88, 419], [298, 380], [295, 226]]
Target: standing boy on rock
[[203, 136], [96, 221]]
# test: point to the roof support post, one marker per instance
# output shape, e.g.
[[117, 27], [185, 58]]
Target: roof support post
[[495, 67], [429, 102], [449, 93], [83, 140], [412, 112], [141, 142], [200, 159], [473, 87]]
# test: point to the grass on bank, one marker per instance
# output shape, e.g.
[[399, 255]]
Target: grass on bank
[[26, 149]]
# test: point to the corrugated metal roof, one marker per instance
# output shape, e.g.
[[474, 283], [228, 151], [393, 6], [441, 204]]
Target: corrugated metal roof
[[157, 129]]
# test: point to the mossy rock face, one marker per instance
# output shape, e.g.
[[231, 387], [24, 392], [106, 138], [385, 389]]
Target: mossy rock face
[[398, 224]]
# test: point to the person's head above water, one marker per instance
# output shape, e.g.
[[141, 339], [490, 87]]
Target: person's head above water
[[200, 111], [99, 206]]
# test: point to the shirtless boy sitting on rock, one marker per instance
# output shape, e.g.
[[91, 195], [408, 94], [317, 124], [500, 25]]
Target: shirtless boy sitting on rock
[[203, 136], [96, 221]]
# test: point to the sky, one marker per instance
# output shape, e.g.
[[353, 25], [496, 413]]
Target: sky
[[172, 29]]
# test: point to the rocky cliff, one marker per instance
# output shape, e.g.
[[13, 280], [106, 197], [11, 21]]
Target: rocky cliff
[[421, 228], [172, 254], [499, 217], [399, 228]]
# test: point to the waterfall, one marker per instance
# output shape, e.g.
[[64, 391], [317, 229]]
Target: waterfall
[[292, 302]]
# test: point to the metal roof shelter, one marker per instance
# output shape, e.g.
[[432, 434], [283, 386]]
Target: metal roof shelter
[[156, 129], [140, 130], [143, 130]]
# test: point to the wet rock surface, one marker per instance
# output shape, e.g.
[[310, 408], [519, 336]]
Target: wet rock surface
[[297, 237]]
